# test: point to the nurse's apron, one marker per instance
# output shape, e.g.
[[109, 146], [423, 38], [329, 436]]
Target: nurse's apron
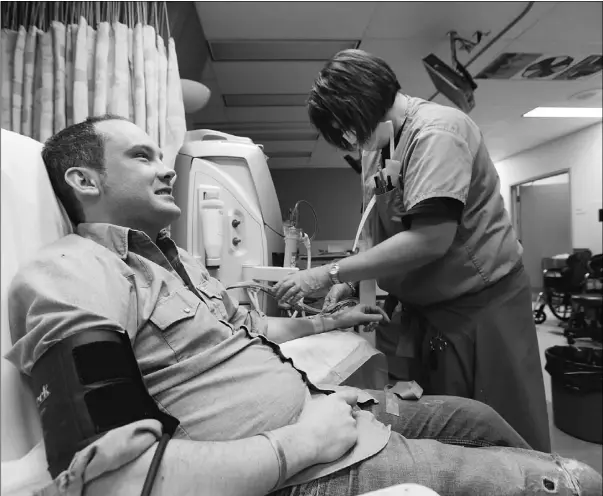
[[469, 347]]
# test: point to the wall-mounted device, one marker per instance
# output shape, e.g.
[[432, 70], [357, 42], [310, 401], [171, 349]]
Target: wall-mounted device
[[455, 84]]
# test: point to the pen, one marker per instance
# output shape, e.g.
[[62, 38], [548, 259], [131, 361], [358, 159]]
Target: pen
[[377, 186], [390, 186]]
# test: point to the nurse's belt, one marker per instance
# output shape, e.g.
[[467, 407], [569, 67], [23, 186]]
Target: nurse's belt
[[365, 215]]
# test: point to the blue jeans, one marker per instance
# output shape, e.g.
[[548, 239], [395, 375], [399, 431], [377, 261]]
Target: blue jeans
[[455, 446]]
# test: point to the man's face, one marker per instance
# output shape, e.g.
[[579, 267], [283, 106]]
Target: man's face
[[137, 187]]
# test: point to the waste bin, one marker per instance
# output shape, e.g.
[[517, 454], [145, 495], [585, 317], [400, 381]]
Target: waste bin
[[577, 380]]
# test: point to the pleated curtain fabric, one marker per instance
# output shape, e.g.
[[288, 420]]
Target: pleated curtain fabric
[[52, 79]]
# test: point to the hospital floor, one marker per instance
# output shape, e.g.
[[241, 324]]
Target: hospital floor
[[550, 334]]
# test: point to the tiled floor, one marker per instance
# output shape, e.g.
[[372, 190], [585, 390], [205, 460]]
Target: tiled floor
[[550, 334]]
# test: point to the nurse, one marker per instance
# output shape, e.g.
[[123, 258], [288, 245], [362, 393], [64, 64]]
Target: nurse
[[441, 245]]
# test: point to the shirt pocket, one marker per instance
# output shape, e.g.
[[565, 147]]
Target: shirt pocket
[[212, 296], [174, 316], [178, 307], [388, 215]]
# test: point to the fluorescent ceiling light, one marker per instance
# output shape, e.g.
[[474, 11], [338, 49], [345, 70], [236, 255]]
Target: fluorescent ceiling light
[[273, 50], [592, 113], [258, 100]]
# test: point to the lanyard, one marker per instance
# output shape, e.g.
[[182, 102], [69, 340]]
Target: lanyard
[[365, 215]]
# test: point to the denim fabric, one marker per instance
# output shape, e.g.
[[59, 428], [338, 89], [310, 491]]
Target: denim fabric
[[417, 452]]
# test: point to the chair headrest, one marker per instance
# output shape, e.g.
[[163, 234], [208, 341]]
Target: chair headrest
[[31, 219]]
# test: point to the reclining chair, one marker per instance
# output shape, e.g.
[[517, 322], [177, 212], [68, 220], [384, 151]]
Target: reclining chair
[[31, 218]]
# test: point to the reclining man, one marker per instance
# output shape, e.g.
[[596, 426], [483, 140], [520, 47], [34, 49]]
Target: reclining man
[[248, 419]]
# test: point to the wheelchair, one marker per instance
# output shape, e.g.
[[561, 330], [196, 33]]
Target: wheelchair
[[559, 285], [587, 308]]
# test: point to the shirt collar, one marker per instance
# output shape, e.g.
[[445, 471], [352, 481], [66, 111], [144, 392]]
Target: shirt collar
[[112, 237]]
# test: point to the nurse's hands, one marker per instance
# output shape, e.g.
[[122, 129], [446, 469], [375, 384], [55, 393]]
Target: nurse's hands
[[299, 284], [337, 293], [359, 315]]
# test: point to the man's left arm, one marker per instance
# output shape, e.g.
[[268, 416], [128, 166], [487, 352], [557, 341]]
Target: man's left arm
[[436, 185], [280, 330]]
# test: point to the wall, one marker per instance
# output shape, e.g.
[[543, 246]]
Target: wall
[[579, 152], [335, 195]]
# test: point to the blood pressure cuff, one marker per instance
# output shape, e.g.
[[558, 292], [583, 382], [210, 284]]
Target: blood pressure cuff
[[86, 385]]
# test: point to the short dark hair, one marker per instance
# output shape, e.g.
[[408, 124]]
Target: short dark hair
[[79, 145], [354, 89]]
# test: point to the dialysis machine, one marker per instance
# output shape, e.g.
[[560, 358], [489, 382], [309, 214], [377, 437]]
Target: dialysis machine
[[231, 219]]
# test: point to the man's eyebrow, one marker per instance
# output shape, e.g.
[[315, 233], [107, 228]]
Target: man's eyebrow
[[148, 149]]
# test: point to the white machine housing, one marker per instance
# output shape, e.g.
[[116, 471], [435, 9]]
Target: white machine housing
[[252, 229]]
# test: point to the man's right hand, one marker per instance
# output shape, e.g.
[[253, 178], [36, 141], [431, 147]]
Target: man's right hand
[[328, 423], [337, 293]]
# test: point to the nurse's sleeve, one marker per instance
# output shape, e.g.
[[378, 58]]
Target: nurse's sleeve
[[439, 166]]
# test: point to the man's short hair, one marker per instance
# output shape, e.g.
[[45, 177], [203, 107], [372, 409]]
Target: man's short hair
[[79, 145], [355, 90]]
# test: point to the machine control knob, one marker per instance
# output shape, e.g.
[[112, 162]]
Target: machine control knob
[[236, 223], [236, 241]]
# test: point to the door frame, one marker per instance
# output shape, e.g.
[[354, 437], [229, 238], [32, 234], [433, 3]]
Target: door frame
[[515, 217]]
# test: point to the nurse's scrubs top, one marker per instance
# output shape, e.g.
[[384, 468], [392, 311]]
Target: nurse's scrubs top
[[443, 155]]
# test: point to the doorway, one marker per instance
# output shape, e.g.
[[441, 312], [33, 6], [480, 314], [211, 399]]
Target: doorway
[[542, 219]]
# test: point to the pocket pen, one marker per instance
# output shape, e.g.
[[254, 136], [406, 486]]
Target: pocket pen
[[377, 186], [390, 186]]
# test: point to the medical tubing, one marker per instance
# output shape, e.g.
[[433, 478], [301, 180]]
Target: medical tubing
[[300, 307], [147, 488], [308, 245], [494, 40], [295, 212]]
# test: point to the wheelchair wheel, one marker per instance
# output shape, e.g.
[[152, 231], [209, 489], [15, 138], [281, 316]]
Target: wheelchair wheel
[[560, 305], [539, 316]]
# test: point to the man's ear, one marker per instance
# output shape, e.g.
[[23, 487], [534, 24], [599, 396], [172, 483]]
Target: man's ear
[[85, 182]]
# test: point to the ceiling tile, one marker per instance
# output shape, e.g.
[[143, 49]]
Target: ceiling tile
[[405, 58], [434, 19], [284, 20], [268, 114], [576, 23], [266, 77], [255, 100], [276, 50], [500, 104]]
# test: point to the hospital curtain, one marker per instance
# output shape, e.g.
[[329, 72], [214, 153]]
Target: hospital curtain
[[65, 61]]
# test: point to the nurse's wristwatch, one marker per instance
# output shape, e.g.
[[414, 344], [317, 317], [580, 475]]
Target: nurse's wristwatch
[[334, 273], [334, 276]]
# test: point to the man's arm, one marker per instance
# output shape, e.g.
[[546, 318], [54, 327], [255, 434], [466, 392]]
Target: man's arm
[[246, 466], [281, 330], [62, 294], [324, 432]]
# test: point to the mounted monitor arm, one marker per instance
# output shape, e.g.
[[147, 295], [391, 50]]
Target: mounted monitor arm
[[467, 46]]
